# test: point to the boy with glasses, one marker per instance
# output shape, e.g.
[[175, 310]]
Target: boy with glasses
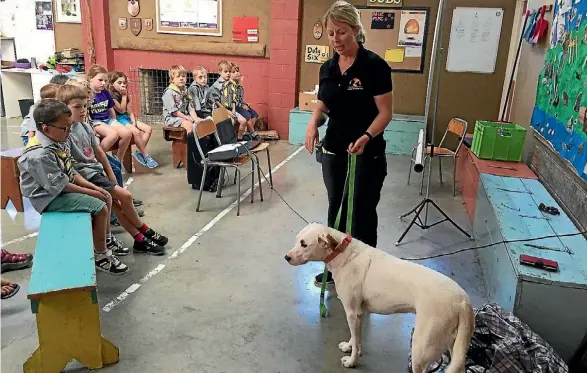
[[48, 179]]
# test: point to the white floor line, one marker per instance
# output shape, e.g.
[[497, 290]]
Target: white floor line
[[134, 287], [16, 240], [34, 234], [128, 182]]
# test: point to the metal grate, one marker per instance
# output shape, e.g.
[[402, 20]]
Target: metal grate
[[146, 88]]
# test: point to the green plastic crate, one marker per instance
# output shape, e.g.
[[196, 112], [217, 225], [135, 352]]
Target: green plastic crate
[[498, 141]]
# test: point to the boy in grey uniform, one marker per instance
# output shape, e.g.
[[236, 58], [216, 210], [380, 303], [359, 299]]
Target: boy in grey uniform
[[28, 126], [178, 107], [93, 165], [48, 179], [200, 93]]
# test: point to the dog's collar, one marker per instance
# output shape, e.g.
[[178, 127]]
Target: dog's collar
[[339, 249]]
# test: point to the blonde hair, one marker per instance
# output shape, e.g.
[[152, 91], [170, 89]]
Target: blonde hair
[[177, 70], [199, 69], [78, 82], [224, 64], [49, 90], [95, 70], [341, 11], [70, 92]]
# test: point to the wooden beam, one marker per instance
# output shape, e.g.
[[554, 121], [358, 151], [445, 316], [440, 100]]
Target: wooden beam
[[199, 47]]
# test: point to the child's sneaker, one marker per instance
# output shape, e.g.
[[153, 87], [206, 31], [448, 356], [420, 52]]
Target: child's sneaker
[[117, 247], [146, 245], [151, 163], [159, 239], [140, 158], [106, 262], [114, 221]]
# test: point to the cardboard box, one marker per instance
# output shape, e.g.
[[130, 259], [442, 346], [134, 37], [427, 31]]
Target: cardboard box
[[308, 101]]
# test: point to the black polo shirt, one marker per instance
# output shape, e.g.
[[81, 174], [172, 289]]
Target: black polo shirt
[[350, 100]]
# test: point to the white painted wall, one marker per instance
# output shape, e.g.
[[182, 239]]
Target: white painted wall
[[17, 19]]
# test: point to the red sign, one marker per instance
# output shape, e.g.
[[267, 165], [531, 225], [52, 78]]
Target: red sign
[[245, 29]]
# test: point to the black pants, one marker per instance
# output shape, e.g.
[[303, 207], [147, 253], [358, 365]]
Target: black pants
[[370, 174]]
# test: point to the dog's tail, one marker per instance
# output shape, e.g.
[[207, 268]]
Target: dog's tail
[[463, 339]]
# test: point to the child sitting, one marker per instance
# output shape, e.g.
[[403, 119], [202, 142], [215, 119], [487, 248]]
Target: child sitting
[[103, 116], [114, 162], [224, 90], [91, 163], [28, 126], [117, 83], [243, 108], [178, 107], [200, 93], [48, 179]]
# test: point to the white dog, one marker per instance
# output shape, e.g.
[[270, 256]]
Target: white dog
[[370, 280]]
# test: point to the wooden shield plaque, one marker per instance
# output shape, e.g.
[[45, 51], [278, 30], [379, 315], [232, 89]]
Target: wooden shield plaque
[[133, 7], [148, 24], [136, 26]]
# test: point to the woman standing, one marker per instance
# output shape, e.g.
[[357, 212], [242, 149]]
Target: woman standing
[[355, 91]]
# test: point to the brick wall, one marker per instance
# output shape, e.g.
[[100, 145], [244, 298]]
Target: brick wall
[[283, 63], [255, 70], [270, 83]]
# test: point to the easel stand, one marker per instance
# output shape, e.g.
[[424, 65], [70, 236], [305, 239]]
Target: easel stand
[[435, 68]]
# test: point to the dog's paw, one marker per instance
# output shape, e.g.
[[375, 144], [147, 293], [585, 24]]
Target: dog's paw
[[345, 347], [348, 362]]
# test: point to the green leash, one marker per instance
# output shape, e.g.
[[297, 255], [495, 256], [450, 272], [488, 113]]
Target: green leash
[[349, 190]]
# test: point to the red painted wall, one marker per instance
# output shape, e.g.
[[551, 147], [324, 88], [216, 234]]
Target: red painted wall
[[270, 83], [255, 70]]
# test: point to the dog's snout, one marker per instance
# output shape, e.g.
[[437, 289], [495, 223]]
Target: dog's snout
[[288, 258]]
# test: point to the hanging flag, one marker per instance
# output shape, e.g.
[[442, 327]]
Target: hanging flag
[[382, 20]]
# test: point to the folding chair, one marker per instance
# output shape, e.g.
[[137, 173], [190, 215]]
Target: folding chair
[[220, 114], [207, 128], [458, 127]]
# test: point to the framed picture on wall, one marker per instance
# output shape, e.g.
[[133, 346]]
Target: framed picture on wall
[[68, 11], [192, 17]]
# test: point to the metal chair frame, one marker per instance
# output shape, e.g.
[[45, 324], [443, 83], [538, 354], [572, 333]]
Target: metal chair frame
[[456, 126]]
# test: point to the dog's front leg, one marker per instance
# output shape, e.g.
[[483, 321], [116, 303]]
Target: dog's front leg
[[355, 321]]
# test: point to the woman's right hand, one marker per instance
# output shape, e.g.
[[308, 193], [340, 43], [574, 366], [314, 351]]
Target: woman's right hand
[[311, 136]]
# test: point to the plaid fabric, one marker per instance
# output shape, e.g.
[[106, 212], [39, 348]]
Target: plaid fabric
[[502, 343], [240, 95]]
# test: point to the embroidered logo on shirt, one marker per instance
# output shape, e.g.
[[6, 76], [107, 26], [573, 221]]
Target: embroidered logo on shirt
[[355, 85]]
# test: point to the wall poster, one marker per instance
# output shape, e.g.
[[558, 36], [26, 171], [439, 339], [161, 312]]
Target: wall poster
[[68, 11], [561, 99], [194, 17], [44, 15]]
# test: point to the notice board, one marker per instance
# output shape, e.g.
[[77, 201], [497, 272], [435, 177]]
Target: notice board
[[195, 17], [397, 35], [474, 40]]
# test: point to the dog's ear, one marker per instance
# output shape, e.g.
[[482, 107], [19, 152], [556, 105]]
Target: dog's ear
[[327, 241], [331, 241]]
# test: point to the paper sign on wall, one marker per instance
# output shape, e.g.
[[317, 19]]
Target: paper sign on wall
[[316, 53], [412, 28], [245, 29], [394, 55]]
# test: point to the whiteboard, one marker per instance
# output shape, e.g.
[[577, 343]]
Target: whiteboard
[[474, 39]]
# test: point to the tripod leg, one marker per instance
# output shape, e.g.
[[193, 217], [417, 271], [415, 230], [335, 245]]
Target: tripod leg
[[440, 168], [449, 219], [412, 210], [418, 210]]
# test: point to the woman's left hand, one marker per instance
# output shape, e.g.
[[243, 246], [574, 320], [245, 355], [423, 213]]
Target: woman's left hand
[[358, 146]]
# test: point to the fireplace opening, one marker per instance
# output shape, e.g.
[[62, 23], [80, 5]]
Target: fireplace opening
[[146, 87]]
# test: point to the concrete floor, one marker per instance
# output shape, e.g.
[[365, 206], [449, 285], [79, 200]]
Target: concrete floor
[[227, 301]]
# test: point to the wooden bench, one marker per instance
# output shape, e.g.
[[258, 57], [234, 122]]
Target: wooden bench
[[553, 304], [62, 292], [179, 144], [10, 184]]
